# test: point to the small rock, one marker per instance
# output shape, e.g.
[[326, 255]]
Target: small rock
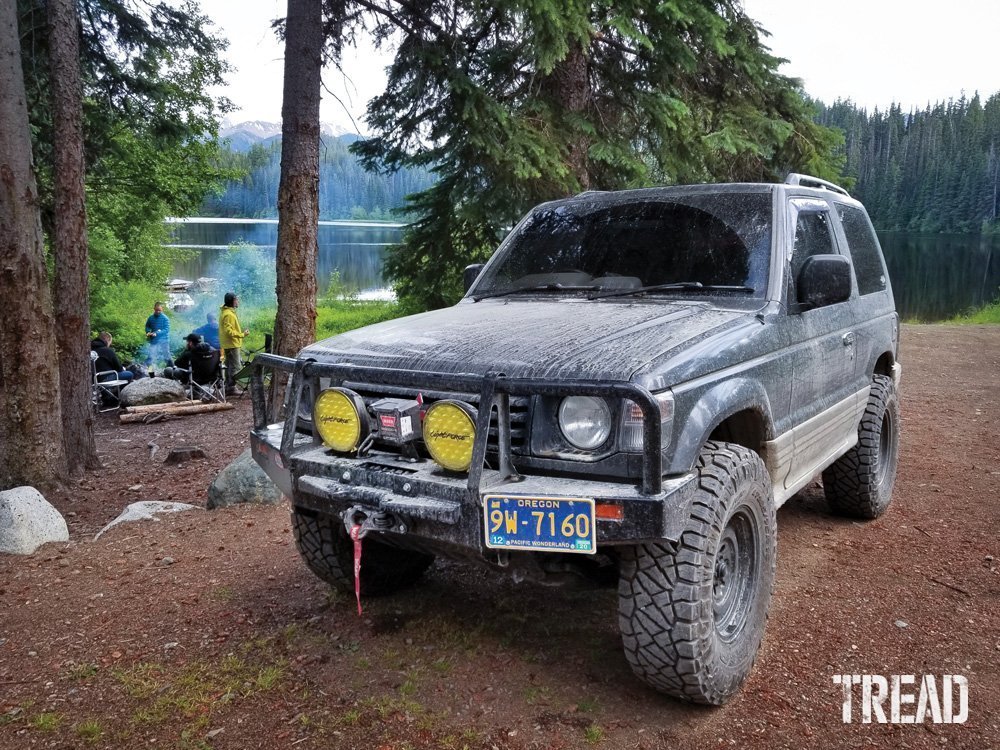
[[989, 558], [243, 481], [171, 645], [182, 454], [27, 521], [145, 511], [166, 561], [214, 733], [902, 624], [152, 391], [64, 563], [135, 488]]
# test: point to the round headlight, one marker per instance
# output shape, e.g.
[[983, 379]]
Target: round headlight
[[585, 421], [341, 419], [449, 433]]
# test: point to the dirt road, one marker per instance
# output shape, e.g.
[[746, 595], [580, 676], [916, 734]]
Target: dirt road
[[204, 630]]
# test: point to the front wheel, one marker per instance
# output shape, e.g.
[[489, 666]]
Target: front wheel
[[859, 483], [329, 552], [692, 613]]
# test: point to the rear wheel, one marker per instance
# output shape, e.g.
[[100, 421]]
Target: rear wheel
[[692, 614], [329, 552], [859, 484]]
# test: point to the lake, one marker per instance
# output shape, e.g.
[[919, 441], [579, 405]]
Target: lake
[[934, 276]]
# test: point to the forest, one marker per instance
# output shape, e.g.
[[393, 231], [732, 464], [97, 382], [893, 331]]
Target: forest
[[346, 189], [930, 170], [933, 170]]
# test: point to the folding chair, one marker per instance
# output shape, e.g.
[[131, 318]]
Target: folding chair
[[106, 387], [211, 372]]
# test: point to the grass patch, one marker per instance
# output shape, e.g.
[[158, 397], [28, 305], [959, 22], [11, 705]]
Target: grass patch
[[593, 734], [193, 692], [986, 315], [48, 721], [82, 671], [90, 730], [534, 695], [333, 316]]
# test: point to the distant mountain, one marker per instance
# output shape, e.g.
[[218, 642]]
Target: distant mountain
[[242, 135]]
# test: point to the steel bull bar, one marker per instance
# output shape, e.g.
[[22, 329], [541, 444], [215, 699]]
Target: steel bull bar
[[494, 389]]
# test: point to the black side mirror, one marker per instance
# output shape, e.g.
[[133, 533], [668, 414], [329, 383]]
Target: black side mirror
[[824, 280], [470, 274]]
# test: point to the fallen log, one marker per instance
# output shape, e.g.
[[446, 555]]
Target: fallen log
[[177, 411], [159, 407]]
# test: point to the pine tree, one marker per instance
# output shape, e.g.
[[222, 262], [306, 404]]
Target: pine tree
[[511, 103]]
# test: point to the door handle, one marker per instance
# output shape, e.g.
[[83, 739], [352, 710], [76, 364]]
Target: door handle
[[848, 339]]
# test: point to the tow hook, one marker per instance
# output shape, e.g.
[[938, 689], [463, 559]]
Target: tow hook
[[369, 520]]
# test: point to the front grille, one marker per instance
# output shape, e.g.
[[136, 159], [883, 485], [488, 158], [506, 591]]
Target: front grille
[[519, 407]]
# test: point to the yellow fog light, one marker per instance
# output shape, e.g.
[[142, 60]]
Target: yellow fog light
[[449, 433], [341, 419]]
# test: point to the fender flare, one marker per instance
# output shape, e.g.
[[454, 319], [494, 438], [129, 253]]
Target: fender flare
[[713, 407]]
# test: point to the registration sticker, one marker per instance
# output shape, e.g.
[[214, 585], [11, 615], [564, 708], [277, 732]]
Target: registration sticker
[[550, 524]]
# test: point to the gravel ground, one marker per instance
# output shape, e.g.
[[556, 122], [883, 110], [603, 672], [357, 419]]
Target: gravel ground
[[204, 630]]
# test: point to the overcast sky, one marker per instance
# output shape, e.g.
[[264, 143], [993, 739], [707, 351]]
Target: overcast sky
[[871, 51]]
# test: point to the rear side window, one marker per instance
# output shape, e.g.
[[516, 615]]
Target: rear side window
[[864, 248]]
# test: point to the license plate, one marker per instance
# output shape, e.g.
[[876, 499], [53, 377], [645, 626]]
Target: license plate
[[552, 524]]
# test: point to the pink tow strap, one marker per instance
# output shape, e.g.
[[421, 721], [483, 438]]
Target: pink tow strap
[[356, 537]]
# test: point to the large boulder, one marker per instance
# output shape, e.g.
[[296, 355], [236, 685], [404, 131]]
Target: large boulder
[[27, 521], [243, 481], [152, 391], [146, 510]]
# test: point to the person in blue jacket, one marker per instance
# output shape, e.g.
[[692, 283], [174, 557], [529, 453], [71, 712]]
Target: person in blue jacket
[[158, 336], [209, 332]]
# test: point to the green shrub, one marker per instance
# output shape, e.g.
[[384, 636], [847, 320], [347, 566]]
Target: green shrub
[[122, 309], [987, 314]]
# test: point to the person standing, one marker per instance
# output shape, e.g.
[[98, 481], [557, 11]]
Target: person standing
[[158, 335], [231, 338]]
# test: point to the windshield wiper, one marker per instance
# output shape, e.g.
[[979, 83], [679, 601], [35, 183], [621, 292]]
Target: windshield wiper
[[551, 287], [677, 286]]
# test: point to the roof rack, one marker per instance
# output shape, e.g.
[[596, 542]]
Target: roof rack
[[806, 181]]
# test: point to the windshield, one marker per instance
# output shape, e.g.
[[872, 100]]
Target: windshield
[[706, 241]]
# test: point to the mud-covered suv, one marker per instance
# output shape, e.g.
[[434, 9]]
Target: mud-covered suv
[[631, 387]]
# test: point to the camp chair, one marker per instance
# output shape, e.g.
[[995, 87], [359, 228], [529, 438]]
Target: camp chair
[[206, 378], [106, 387]]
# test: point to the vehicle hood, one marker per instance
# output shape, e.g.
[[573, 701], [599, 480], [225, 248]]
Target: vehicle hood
[[554, 339]]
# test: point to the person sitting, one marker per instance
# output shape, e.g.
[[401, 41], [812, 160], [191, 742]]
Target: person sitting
[[107, 361], [210, 331], [199, 358]]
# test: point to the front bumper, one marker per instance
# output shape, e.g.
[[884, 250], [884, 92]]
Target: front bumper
[[431, 507]]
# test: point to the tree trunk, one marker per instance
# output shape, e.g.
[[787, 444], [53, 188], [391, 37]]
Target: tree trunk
[[298, 190], [71, 288], [31, 446], [568, 86]]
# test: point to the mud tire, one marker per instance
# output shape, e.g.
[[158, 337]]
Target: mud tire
[[859, 484], [329, 553], [692, 613]]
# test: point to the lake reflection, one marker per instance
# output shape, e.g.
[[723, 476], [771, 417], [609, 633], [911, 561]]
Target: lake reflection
[[938, 276], [934, 276], [354, 249]]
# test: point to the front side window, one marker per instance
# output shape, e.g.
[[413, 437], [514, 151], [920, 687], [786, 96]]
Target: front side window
[[715, 241], [813, 236]]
